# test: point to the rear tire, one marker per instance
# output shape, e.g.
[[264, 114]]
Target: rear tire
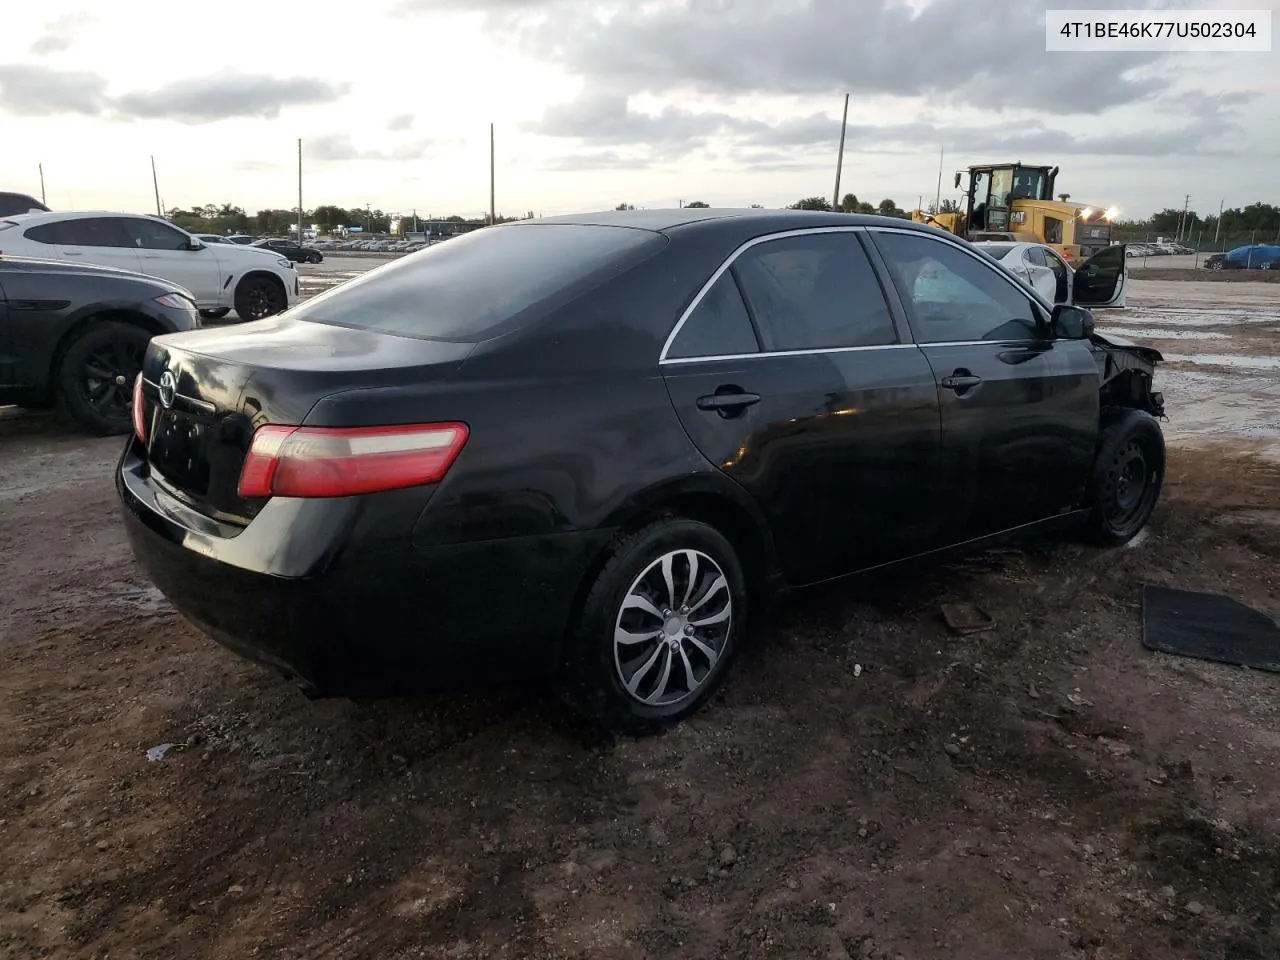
[[314, 258], [94, 378], [258, 298], [1128, 474], [630, 667]]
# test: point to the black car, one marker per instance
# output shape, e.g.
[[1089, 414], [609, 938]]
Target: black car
[[13, 204], [591, 446], [74, 334], [291, 249]]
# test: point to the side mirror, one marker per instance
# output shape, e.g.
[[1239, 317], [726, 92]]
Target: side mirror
[[194, 245], [1071, 323], [957, 180]]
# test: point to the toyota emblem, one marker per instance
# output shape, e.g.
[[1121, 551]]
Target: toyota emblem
[[168, 389]]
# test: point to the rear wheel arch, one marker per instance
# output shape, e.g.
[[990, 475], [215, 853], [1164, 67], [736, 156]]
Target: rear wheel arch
[[745, 530]]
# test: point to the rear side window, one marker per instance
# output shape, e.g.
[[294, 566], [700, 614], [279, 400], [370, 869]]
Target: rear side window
[[813, 292], [471, 287], [718, 326], [83, 232]]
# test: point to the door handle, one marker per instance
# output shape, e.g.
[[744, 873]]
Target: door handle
[[961, 381], [727, 403]]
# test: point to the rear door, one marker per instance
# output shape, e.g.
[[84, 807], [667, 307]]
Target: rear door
[[1019, 409], [8, 375], [164, 252], [97, 240], [793, 375], [1100, 280]]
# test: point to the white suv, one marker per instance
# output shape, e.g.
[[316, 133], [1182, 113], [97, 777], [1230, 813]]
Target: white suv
[[220, 276]]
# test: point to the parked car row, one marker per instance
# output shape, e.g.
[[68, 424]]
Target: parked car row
[[372, 246], [1166, 249], [611, 439]]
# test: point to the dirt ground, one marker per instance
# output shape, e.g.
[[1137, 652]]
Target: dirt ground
[[866, 785]]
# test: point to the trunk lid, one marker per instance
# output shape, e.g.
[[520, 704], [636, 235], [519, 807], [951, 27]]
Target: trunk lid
[[206, 391]]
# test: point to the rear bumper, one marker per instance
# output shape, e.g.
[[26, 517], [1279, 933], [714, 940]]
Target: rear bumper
[[344, 614]]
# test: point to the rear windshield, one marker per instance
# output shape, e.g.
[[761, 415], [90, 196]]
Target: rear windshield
[[470, 287], [996, 250]]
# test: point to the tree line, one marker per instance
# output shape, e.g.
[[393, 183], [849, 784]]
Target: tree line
[[230, 219]]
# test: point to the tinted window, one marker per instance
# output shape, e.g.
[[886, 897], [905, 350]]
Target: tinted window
[[153, 235], [954, 296], [1036, 256], [86, 232], [719, 325], [468, 288], [813, 292]]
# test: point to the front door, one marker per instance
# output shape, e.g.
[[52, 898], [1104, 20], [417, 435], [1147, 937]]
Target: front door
[[96, 240], [1018, 420], [166, 252], [793, 376], [1100, 280]]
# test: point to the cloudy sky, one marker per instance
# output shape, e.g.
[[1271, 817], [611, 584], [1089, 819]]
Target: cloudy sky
[[648, 101]]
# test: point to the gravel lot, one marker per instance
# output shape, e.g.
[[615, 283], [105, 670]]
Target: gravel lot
[[867, 785]]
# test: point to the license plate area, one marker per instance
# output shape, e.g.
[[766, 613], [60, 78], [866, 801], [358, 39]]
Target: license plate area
[[179, 450]]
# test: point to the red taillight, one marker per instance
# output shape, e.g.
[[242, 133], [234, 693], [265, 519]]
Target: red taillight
[[342, 461], [139, 422]]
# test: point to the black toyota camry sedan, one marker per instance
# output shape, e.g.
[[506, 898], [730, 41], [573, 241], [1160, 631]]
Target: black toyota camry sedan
[[591, 447]]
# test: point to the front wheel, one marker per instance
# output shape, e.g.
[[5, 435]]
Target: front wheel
[[659, 627], [96, 373], [258, 298], [1128, 475], [314, 258], [1265, 266]]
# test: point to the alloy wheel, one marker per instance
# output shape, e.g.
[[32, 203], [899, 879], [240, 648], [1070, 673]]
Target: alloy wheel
[[107, 376], [672, 628], [263, 300]]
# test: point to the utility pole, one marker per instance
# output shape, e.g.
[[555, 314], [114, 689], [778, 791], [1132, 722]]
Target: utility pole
[[156, 183], [493, 210], [937, 200], [299, 191], [844, 123], [1217, 230], [42, 199], [1183, 219]]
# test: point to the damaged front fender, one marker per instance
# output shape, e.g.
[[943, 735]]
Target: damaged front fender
[[1126, 372]]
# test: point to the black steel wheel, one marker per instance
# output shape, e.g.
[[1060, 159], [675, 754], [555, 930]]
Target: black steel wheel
[[96, 374], [258, 298], [1128, 475]]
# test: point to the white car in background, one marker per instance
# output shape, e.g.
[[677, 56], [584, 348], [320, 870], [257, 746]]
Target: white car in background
[[1098, 282], [220, 276]]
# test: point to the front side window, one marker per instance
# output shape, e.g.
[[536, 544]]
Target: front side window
[[718, 326], [153, 235], [955, 297], [814, 291]]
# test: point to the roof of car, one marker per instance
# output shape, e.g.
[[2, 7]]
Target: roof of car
[[40, 216], [667, 219]]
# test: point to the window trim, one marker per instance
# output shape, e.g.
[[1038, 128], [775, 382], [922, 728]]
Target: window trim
[[890, 298], [1022, 289], [736, 284]]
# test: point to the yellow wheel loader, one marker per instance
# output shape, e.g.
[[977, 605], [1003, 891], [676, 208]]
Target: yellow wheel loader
[[1013, 201]]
